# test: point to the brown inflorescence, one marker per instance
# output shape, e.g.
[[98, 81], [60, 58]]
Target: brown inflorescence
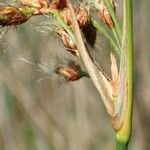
[[34, 3], [104, 14], [105, 17], [58, 4], [81, 13], [10, 15], [68, 42], [82, 16], [71, 71], [39, 6], [65, 14]]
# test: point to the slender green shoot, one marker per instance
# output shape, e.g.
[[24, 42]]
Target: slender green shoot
[[124, 133], [115, 19], [121, 146], [106, 34], [56, 14], [117, 40]]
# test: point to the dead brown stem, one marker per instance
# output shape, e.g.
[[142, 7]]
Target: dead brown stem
[[101, 83]]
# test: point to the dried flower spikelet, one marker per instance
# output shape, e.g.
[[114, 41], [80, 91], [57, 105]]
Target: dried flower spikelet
[[71, 71], [81, 13], [39, 5], [66, 15], [104, 14], [68, 42], [58, 4], [82, 16], [35, 3], [10, 15]]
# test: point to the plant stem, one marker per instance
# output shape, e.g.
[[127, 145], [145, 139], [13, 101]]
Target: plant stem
[[106, 34], [63, 24], [121, 146], [123, 134], [115, 19], [116, 37], [99, 80]]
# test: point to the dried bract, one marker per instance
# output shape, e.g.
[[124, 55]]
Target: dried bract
[[115, 75]]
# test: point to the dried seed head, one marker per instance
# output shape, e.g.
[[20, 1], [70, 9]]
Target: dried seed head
[[58, 4], [81, 13], [68, 43], [40, 6], [65, 14], [34, 3], [82, 16], [104, 14], [105, 17], [71, 71], [11, 15]]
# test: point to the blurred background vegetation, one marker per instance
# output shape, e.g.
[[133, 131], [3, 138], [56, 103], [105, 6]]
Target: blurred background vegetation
[[41, 111]]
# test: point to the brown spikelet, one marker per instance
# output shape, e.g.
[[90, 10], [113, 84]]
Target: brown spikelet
[[58, 4], [34, 3], [65, 14], [105, 17], [82, 16], [11, 15], [104, 14], [81, 13], [71, 71], [68, 42]]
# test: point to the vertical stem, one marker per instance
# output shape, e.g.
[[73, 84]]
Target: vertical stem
[[123, 134], [121, 146], [93, 70]]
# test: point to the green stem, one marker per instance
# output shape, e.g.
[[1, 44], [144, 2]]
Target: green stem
[[106, 34], [116, 37], [124, 133], [63, 24], [115, 19], [121, 146], [84, 74]]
